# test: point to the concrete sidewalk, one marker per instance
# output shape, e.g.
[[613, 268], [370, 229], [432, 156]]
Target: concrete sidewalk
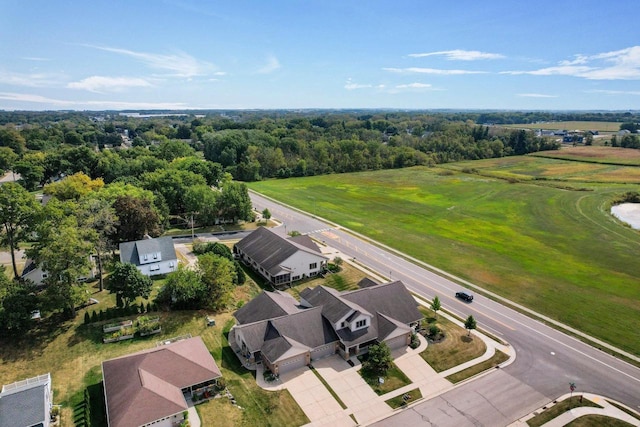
[[607, 410]]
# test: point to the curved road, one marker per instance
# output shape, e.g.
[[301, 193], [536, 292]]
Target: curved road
[[547, 360]]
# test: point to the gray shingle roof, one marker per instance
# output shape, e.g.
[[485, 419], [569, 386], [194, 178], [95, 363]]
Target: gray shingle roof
[[307, 327], [130, 251], [24, 407], [391, 299], [334, 307], [267, 305], [270, 250]]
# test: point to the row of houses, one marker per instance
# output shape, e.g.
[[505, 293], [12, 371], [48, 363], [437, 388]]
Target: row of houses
[[155, 386]]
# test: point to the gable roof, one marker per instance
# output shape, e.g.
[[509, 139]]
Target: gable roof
[[130, 251], [270, 250], [391, 299], [305, 329], [267, 305], [23, 404], [334, 307], [146, 386]]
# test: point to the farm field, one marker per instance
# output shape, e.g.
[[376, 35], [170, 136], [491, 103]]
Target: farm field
[[608, 155], [550, 245], [572, 125]]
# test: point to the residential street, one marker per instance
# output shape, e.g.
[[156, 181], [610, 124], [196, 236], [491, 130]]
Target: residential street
[[547, 360]]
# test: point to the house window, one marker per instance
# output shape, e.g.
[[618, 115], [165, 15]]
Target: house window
[[361, 323], [154, 267], [343, 325], [155, 256], [313, 266], [146, 257], [44, 275], [171, 264]]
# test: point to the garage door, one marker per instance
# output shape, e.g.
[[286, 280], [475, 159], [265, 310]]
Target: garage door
[[292, 363], [323, 351], [397, 342]]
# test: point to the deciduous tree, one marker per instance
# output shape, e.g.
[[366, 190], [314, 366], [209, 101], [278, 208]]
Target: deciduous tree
[[218, 275], [99, 221], [18, 210], [378, 360], [435, 305], [470, 324], [127, 281], [137, 218]]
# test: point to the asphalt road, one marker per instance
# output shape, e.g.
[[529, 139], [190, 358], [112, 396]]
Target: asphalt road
[[547, 360]]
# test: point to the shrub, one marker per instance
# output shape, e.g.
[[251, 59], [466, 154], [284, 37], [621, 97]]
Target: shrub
[[87, 318], [94, 316]]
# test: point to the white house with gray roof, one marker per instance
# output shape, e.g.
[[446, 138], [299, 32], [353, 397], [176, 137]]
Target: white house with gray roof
[[279, 260], [27, 403], [151, 256], [284, 334]]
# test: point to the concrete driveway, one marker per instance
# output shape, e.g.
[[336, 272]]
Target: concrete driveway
[[314, 399], [355, 393]]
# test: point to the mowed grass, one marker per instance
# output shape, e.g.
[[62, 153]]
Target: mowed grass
[[73, 353], [559, 409], [570, 126], [553, 248]]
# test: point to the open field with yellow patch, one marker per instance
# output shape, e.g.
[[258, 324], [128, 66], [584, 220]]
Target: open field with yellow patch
[[535, 230], [573, 125], [593, 154]]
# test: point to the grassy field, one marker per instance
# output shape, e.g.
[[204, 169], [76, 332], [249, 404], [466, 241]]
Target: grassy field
[[549, 244], [580, 125]]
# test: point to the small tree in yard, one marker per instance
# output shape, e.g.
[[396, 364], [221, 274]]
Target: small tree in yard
[[379, 359], [435, 305], [266, 214], [470, 324], [127, 281]]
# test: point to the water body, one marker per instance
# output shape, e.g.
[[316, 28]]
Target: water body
[[629, 213]]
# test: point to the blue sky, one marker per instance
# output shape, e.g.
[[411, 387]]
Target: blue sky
[[180, 54]]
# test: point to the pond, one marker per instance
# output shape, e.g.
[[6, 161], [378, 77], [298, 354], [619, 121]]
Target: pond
[[629, 213]]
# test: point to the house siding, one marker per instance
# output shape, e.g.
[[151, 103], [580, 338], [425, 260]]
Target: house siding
[[154, 269]]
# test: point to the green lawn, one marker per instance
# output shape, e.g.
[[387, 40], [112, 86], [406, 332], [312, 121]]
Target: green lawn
[[399, 401], [555, 249], [393, 380], [456, 347], [559, 409], [594, 420], [494, 361]]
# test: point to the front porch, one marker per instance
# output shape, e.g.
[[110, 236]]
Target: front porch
[[248, 362]]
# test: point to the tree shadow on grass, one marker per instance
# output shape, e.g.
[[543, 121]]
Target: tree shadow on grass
[[466, 338], [32, 343]]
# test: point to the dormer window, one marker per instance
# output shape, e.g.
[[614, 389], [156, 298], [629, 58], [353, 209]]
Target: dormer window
[[145, 257], [361, 323], [343, 325]]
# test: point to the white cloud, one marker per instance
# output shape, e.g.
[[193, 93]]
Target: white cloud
[[434, 71], [460, 55], [272, 65], [35, 58], [110, 84], [536, 95], [623, 64], [179, 64], [96, 105], [615, 92], [350, 85], [29, 80], [414, 86]]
